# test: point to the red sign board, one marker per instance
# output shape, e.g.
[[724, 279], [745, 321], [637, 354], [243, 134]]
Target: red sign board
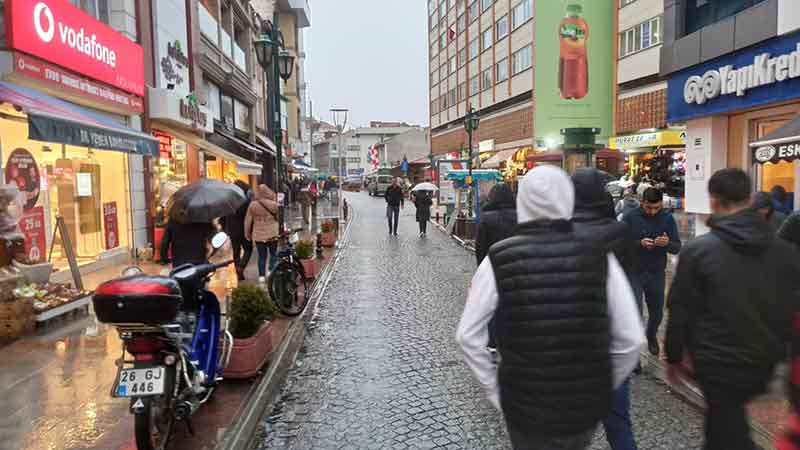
[[32, 226], [110, 224], [56, 76], [60, 33]]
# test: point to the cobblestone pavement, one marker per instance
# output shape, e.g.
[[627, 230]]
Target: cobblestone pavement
[[380, 368]]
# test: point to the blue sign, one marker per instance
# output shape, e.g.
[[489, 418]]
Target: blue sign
[[762, 74], [404, 166]]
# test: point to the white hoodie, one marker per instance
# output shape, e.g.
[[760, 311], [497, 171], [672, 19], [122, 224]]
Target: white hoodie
[[546, 192]]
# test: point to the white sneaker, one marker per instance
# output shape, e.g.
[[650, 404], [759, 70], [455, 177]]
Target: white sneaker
[[262, 280]]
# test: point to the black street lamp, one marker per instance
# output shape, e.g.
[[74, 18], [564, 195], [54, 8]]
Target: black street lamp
[[269, 50], [471, 123]]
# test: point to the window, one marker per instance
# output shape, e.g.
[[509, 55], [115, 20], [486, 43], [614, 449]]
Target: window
[[354, 149], [434, 19], [521, 13], [642, 36], [445, 103], [486, 79], [502, 27], [474, 50], [354, 160], [452, 66], [212, 92], [451, 3], [226, 110], [521, 60], [473, 11], [452, 97], [435, 77], [241, 116], [460, 7], [443, 41], [625, 2], [486, 4], [502, 70], [462, 92], [701, 13], [462, 57], [435, 106], [462, 23], [474, 86], [443, 72], [434, 49], [486, 39], [95, 8]]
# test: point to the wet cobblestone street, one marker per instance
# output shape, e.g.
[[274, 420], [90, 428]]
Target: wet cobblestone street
[[380, 368]]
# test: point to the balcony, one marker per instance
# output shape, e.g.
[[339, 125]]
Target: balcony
[[299, 7], [208, 25], [226, 44], [239, 57]]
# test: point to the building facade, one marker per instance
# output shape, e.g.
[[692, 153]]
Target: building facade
[[733, 73]]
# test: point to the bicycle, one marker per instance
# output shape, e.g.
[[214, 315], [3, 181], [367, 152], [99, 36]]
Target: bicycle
[[287, 284]]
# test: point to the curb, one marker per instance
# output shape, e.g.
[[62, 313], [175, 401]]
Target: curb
[[458, 240], [264, 392]]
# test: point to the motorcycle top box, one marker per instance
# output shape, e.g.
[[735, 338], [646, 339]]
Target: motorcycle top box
[[137, 299]]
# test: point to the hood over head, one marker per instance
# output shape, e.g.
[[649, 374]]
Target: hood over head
[[265, 193], [500, 197], [545, 193], [591, 197], [746, 231]]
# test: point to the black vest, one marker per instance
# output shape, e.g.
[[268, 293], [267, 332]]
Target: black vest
[[553, 330]]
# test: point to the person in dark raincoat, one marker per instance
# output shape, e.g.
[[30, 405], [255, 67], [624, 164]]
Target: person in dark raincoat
[[498, 219], [423, 203], [234, 227]]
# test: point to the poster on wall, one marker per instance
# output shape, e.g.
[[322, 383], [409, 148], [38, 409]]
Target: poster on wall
[[22, 172], [32, 226], [84, 184], [575, 66], [111, 225], [447, 190]]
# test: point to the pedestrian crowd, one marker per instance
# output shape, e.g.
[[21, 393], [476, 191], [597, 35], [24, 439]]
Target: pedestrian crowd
[[552, 327]]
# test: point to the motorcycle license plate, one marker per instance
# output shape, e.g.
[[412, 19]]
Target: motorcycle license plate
[[140, 382]]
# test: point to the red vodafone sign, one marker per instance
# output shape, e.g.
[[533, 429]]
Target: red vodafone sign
[[58, 32]]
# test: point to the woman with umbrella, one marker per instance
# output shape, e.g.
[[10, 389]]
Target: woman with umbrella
[[423, 202], [191, 211]]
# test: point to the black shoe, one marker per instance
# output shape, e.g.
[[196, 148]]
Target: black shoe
[[638, 369], [653, 347]]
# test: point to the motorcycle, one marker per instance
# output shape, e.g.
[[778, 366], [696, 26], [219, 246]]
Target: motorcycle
[[172, 328]]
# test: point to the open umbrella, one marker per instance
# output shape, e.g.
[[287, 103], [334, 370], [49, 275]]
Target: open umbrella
[[425, 187], [204, 200]]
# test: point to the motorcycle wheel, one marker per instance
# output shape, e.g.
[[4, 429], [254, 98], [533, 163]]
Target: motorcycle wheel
[[155, 424]]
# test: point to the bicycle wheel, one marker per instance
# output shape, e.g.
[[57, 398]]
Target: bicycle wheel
[[288, 288]]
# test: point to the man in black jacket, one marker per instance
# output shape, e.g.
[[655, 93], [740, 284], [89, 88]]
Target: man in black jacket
[[731, 306], [498, 219], [394, 201]]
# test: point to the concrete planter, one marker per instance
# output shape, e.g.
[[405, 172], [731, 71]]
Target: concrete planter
[[249, 355], [309, 267], [329, 239]]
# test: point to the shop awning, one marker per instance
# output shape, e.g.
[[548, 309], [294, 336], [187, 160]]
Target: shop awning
[[782, 144], [267, 142], [54, 120], [609, 154], [248, 168], [477, 175], [241, 143], [499, 158], [552, 155]]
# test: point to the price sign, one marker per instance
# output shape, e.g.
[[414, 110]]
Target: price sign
[[32, 226], [111, 225]]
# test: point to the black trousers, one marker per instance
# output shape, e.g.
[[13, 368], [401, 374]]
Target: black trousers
[[240, 260], [423, 226], [727, 426], [393, 212]]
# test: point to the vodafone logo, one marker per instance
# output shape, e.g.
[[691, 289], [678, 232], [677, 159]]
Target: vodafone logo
[[47, 34]]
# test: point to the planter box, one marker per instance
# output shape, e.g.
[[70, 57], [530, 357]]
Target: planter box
[[329, 239], [310, 267], [249, 355]]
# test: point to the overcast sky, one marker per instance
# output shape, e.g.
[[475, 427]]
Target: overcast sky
[[368, 56]]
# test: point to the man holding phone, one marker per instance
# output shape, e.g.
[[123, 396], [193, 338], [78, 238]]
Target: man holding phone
[[656, 235]]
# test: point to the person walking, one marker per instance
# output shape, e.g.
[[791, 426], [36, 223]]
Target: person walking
[[186, 242], [394, 202], [423, 203], [234, 227], [568, 331], [656, 234], [627, 204], [498, 219], [594, 219], [261, 227], [765, 206], [730, 308]]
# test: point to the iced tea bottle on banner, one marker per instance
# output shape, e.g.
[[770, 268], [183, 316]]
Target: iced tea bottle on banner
[[573, 70]]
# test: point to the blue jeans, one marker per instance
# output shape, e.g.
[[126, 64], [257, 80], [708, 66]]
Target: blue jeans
[[267, 250], [651, 287], [619, 432]]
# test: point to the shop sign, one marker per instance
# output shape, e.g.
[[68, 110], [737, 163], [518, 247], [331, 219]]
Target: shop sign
[[34, 68], [644, 140], [32, 226], [58, 32], [22, 172], [486, 146], [191, 111], [110, 225], [763, 74], [789, 151], [182, 110]]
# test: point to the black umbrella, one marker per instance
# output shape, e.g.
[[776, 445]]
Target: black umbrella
[[204, 200]]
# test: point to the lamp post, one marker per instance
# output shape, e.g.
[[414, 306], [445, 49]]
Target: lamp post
[[340, 121], [471, 123], [271, 54]]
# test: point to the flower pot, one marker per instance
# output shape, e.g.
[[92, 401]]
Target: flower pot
[[249, 355], [309, 267], [329, 239]]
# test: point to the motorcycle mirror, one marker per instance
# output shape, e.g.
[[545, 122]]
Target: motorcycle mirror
[[218, 240]]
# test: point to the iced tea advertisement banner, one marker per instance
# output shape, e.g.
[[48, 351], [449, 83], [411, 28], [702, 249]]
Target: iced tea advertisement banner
[[32, 226], [573, 66], [111, 225]]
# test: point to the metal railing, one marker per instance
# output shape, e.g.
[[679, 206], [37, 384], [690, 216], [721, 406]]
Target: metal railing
[[208, 25]]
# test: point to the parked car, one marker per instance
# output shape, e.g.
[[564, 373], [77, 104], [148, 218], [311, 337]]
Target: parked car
[[377, 184], [352, 184]]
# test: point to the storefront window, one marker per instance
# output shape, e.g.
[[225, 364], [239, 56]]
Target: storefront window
[[169, 174], [80, 184], [226, 110], [212, 91], [781, 174], [242, 116]]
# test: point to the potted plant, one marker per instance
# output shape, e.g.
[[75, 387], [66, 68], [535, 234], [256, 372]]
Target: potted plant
[[305, 252], [328, 233], [250, 315]]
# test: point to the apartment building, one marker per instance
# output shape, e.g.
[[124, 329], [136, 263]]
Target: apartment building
[[481, 56], [733, 74]]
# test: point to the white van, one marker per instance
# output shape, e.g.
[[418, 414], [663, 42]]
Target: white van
[[377, 184]]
